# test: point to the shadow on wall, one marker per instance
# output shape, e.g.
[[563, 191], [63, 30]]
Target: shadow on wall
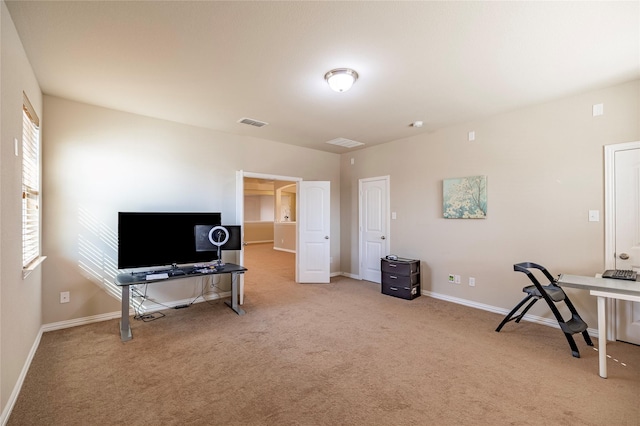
[[97, 252]]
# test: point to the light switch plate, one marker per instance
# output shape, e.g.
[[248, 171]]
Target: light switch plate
[[594, 215], [598, 109]]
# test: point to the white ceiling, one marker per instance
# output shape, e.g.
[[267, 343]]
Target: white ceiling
[[211, 63]]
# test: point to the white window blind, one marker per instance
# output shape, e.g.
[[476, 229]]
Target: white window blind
[[30, 184]]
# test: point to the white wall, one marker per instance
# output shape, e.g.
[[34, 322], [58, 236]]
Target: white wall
[[259, 208], [20, 299], [545, 172], [99, 161], [284, 236]]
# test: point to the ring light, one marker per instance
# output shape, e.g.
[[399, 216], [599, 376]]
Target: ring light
[[213, 234]]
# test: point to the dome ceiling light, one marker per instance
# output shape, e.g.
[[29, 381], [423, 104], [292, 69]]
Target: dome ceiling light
[[341, 79]]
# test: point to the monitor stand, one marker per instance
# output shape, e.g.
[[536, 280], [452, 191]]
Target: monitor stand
[[219, 262]]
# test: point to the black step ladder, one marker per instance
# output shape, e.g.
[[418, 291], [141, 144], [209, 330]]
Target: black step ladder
[[552, 294]]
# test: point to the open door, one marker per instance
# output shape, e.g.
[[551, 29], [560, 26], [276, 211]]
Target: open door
[[314, 246]]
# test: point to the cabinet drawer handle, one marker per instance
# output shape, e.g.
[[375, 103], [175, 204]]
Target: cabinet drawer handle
[[393, 277], [391, 265], [394, 288]]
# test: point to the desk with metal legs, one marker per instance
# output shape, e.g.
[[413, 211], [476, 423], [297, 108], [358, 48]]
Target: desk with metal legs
[[603, 289], [125, 280]]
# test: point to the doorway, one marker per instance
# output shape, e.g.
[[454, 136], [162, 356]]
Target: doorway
[[270, 213], [267, 209]]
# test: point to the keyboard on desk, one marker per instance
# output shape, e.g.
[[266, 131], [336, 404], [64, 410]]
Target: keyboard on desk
[[156, 276], [620, 274], [176, 272], [163, 275]]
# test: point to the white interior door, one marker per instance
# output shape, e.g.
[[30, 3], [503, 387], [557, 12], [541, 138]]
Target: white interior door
[[314, 222], [374, 226], [627, 236]]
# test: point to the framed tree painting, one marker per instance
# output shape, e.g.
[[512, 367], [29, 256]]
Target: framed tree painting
[[464, 198]]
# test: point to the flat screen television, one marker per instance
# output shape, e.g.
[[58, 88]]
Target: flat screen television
[[162, 239]]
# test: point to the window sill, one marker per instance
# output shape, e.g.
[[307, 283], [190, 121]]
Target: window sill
[[32, 266]]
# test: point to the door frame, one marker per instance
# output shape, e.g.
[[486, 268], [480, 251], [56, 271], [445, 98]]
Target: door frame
[[610, 223], [240, 199], [387, 201]]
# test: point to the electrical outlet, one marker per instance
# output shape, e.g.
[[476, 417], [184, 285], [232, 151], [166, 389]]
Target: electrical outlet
[[452, 278], [457, 279], [64, 297], [472, 282]]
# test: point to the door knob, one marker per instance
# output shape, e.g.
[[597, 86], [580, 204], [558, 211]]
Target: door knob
[[623, 256], [383, 237], [326, 237]]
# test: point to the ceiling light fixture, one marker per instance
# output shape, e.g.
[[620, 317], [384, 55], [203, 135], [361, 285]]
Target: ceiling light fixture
[[341, 79]]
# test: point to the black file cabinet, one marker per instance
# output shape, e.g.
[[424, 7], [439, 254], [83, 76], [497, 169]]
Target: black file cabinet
[[401, 277]]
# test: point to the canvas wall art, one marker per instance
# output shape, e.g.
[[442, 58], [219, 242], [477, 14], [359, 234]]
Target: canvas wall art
[[464, 198]]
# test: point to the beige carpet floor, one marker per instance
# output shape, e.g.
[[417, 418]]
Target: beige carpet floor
[[324, 354]]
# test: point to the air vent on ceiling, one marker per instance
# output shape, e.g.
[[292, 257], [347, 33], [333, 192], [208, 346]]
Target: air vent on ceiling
[[252, 122], [347, 143]]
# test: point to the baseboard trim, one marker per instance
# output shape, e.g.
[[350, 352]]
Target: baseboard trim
[[528, 317], [81, 321], [348, 275], [283, 249], [4, 417], [151, 305]]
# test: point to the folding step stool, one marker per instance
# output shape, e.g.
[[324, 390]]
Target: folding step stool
[[552, 294]]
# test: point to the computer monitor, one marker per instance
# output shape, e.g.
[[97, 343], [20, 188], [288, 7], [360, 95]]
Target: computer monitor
[[202, 238]]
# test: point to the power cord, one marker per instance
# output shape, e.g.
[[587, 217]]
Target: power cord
[[139, 313]]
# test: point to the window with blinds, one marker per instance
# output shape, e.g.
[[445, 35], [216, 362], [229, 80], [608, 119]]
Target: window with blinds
[[30, 185]]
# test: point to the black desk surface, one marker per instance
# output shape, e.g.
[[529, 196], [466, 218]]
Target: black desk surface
[[132, 278]]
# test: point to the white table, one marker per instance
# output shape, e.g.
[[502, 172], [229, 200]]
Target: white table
[[603, 289]]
